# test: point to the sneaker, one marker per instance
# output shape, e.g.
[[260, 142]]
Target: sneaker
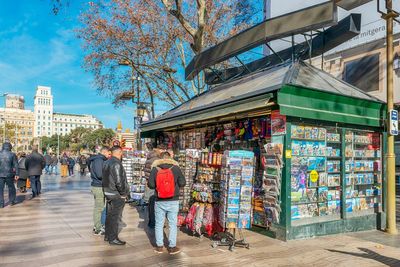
[[159, 250], [98, 232], [174, 250]]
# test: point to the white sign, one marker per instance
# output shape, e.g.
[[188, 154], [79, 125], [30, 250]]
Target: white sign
[[394, 122]]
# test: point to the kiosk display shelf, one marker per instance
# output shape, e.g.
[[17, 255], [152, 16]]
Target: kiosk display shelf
[[363, 173], [315, 174]]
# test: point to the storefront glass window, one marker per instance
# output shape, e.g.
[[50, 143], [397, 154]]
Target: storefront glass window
[[316, 173]]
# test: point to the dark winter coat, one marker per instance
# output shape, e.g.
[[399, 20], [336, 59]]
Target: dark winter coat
[[47, 159], [8, 162], [23, 173], [54, 161], [82, 162], [35, 163], [114, 178], [180, 180], [151, 157], [64, 160], [96, 164], [71, 162]]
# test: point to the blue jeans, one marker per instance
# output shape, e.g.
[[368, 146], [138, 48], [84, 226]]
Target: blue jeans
[[53, 169], [35, 185], [47, 169], [169, 209], [103, 216], [11, 190]]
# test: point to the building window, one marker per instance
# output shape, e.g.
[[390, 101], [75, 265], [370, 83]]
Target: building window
[[363, 73]]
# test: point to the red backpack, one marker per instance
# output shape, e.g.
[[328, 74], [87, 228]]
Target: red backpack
[[165, 183]]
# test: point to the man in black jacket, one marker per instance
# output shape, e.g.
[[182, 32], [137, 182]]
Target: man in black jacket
[[8, 173], [116, 191], [35, 164], [96, 164], [166, 206]]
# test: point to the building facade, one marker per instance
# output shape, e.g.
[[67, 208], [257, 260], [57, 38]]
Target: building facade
[[64, 123], [19, 123], [15, 101], [48, 122], [364, 66], [43, 111]]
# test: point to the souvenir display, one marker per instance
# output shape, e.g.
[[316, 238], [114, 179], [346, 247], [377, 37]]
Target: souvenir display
[[315, 172], [278, 123], [363, 172], [134, 162], [188, 160], [237, 188]]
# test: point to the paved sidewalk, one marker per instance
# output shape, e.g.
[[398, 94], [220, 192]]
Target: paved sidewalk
[[55, 230]]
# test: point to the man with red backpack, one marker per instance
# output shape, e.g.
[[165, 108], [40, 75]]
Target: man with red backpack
[[166, 178]]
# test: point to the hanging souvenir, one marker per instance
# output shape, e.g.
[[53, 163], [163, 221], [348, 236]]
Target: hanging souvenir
[[249, 130]]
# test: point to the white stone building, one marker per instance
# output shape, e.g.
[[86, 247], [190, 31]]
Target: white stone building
[[64, 123], [48, 122], [43, 110]]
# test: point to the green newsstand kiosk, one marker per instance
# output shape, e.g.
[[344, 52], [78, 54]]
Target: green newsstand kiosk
[[333, 178]]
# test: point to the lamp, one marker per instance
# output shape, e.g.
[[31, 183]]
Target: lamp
[[396, 64], [141, 110]]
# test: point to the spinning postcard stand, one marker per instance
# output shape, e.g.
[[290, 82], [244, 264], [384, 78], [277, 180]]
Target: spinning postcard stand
[[236, 196]]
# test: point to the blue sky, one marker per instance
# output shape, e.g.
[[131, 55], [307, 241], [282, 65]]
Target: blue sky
[[39, 48]]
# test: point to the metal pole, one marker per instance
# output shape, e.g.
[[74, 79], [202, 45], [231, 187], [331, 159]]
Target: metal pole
[[4, 129], [16, 138], [390, 156], [58, 145]]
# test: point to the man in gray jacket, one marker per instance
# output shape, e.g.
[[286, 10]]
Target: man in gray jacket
[[35, 164], [8, 173]]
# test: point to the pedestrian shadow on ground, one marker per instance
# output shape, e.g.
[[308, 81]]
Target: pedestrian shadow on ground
[[369, 254], [143, 214]]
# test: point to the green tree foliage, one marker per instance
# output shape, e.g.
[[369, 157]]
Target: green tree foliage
[[79, 138]]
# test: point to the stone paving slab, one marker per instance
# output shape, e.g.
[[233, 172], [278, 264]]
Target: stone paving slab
[[55, 230]]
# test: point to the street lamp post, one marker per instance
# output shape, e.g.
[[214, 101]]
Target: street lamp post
[[141, 110], [4, 129], [390, 16]]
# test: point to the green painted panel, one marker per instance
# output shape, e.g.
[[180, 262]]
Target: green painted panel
[[354, 224], [307, 103]]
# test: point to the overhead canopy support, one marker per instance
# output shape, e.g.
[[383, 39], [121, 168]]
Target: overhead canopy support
[[350, 4], [314, 17], [346, 29]]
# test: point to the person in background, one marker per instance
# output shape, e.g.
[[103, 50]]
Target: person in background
[[47, 159], [8, 173], [166, 178], [64, 165], [54, 163], [71, 165], [34, 164], [153, 155], [116, 191], [96, 164], [82, 164], [23, 173]]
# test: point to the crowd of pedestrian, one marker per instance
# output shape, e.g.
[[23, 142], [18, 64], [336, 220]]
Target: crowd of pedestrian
[[110, 190], [20, 169], [109, 187], [24, 171]]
